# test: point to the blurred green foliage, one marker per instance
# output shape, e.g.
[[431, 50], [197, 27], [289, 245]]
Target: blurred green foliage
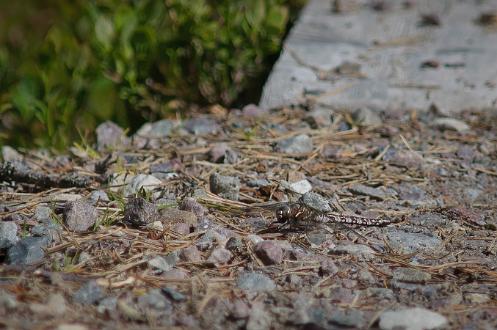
[[66, 66]]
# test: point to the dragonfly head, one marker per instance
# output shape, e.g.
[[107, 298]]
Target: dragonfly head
[[283, 213]]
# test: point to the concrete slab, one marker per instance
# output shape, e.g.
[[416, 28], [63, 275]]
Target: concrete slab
[[408, 55]]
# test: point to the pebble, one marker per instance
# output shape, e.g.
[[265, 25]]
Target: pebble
[[269, 252], [176, 216], [27, 251], [55, 306], [154, 299], [351, 318], [164, 264], [89, 293], [52, 231], [259, 317], [8, 234], [254, 239], [328, 267], [239, 309], [156, 130], [7, 300], [410, 275], [220, 256], [225, 186], [406, 242], [366, 117], [110, 136], [201, 126], [403, 158], [477, 298], [182, 228], [156, 225], [190, 254], [234, 245], [256, 183], [412, 319], [316, 202], [65, 326], [141, 181], [222, 153], [376, 193], [300, 144], [472, 194], [174, 274], [43, 214], [407, 191], [173, 294], [252, 281], [450, 124], [10, 154], [79, 216], [107, 305], [139, 212], [301, 187], [253, 111], [190, 204], [99, 196], [362, 252], [319, 117]]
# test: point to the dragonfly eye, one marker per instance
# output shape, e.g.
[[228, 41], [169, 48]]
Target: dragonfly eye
[[283, 213]]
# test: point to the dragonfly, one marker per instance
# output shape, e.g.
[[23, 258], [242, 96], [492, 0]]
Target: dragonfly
[[307, 214]]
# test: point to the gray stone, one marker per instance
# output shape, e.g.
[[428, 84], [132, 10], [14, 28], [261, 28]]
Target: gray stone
[[173, 294], [253, 111], [222, 153], [99, 196], [55, 306], [225, 186], [174, 275], [412, 242], [412, 319], [89, 294], [403, 158], [141, 181], [450, 124], [234, 245], [269, 252], [190, 204], [256, 183], [43, 214], [190, 254], [300, 144], [472, 194], [220, 256], [367, 117], [164, 264], [300, 187], [8, 234], [174, 216], [138, 212], [380, 293], [157, 130], [107, 305], [316, 202], [27, 251], [7, 300], [201, 126], [259, 317], [257, 282], [154, 299], [376, 193], [363, 252], [477, 298], [110, 136], [79, 216], [10, 154], [352, 318], [319, 117], [410, 275], [410, 192], [52, 231]]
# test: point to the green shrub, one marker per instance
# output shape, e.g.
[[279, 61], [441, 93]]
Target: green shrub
[[129, 61]]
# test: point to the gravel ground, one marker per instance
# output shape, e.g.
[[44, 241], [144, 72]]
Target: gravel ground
[[173, 227]]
